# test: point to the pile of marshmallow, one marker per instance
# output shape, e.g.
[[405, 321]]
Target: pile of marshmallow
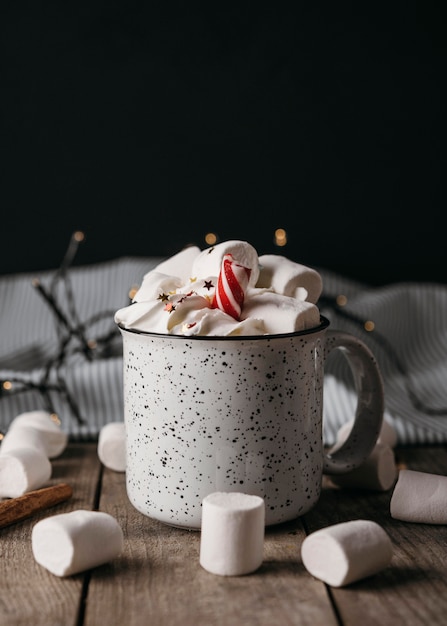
[[67, 543], [225, 290], [233, 524], [232, 533]]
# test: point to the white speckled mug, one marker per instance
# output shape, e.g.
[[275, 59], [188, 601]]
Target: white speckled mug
[[205, 414]]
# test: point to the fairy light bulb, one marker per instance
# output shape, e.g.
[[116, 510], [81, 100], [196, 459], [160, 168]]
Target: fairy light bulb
[[211, 238], [280, 237]]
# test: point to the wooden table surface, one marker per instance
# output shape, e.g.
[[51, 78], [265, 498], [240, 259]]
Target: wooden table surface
[[158, 580]]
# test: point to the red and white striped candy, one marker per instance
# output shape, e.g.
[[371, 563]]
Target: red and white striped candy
[[231, 287]]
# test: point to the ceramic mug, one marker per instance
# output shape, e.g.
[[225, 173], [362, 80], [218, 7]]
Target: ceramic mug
[[205, 414]]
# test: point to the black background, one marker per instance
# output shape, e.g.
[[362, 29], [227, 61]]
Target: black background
[[147, 125]]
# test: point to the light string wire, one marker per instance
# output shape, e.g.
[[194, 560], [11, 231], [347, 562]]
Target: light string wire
[[332, 302], [72, 336]]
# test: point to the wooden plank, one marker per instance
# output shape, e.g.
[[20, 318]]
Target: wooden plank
[[413, 589], [158, 579], [29, 594]]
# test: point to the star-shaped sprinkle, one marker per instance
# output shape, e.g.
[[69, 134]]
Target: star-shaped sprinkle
[[193, 279], [208, 284], [163, 297], [169, 307]]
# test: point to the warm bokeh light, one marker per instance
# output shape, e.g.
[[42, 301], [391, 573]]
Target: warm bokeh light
[[79, 236], [211, 238], [369, 325], [280, 237], [7, 385], [55, 418], [341, 300], [132, 291]]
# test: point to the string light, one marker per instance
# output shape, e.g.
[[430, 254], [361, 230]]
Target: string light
[[71, 333], [132, 291], [211, 239], [369, 326], [280, 238]]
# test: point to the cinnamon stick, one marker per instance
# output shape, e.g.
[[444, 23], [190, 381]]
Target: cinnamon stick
[[16, 509]]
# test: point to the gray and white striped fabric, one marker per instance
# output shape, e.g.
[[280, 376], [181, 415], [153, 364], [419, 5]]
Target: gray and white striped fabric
[[409, 341]]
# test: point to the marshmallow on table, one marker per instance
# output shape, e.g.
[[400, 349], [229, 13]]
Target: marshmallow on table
[[419, 497], [70, 543], [24, 437], [232, 533], [281, 314], [387, 434], [23, 470], [112, 446], [345, 553], [54, 437], [289, 278], [377, 473]]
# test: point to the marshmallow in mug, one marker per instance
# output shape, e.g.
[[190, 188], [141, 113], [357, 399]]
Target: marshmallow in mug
[[344, 553], [70, 543], [419, 497], [23, 470], [289, 278], [177, 296], [209, 261]]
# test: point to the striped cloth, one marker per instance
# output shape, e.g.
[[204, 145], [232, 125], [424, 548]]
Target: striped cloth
[[409, 341]]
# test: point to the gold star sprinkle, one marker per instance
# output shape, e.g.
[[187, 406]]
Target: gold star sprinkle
[[163, 297]]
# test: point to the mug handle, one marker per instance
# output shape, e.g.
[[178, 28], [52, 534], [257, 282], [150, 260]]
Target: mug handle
[[370, 403]]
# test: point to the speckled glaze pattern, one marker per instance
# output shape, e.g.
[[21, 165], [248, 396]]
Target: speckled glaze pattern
[[223, 414]]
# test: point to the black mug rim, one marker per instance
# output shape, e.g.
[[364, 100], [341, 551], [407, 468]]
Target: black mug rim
[[324, 323]]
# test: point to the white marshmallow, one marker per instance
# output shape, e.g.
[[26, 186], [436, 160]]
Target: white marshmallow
[[289, 278], [55, 438], [24, 437], [112, 446], [420, 497], [154, 285], [22, 470], [232, 533], [180, 264], [209, 261], [281, 314], [387, 435], [345, 553], [146, 316], [70, 543], [377, 473]]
